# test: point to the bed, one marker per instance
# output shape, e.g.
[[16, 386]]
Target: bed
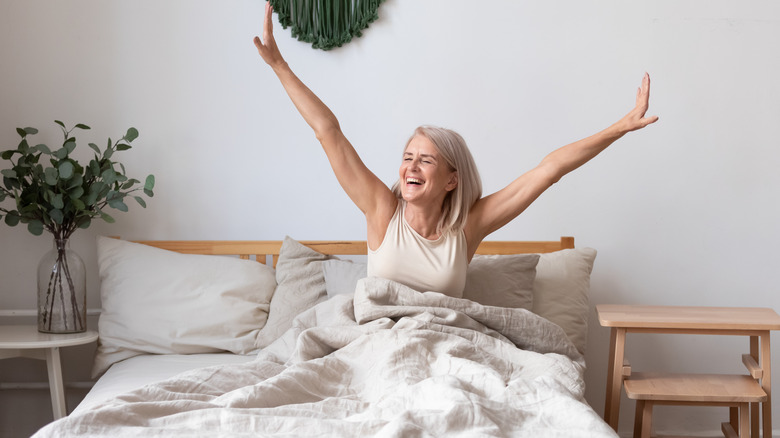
[[289, 338]]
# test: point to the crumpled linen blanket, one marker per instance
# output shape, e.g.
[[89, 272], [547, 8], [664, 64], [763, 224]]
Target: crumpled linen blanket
[[388, 362]]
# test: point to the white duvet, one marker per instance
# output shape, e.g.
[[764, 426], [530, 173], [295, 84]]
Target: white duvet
[[392, 362]]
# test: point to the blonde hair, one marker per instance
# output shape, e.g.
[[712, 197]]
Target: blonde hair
[[452, 148]]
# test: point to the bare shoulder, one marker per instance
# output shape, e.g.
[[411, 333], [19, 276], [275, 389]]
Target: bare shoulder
[[378, 220], [475, 229]]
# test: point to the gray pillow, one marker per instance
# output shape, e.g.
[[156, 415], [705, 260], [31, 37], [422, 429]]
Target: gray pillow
[[562, 290], [502, 280], [300, 286]]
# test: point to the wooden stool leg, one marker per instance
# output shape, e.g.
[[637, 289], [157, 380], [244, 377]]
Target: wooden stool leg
[[643, 419], [734, 413], [755, 408], [640, 407], [744, 420]]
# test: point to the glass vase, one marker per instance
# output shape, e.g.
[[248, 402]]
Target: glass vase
[[62, 291]]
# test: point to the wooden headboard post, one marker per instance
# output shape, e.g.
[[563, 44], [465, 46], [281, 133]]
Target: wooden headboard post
[[261, 249]]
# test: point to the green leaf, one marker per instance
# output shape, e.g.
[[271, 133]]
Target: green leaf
[[12, 219], [94, 167], [109, 176], [35, 227], [149, 184], [123, 147], [61, 154], [43, 148], [57, 216], [78, 204], [130, 183], [60, 123], [82, 126], [26, 131], [70, 144], [107, 218], [140, 201], [51, 176], [9, 173], [95, 148], [131, 135], [94, 193], [11, 184], [118, 204], [76, 193], [76, 181], [113, 195], [6, 155], [66, 169], [57, 202], [148, 193], [85, 223]]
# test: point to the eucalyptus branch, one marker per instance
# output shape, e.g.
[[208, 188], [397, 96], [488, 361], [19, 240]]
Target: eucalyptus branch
[[66, 195]]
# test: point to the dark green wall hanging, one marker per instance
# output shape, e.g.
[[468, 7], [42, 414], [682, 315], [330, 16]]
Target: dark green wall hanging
[[326, 23]]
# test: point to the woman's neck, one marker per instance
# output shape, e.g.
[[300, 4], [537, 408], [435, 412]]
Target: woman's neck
[[424, 219]]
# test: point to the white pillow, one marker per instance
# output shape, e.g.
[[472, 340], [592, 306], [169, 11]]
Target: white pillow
[[164, 302], [341, 276], [561, 291], [502, 280], [300, 286]]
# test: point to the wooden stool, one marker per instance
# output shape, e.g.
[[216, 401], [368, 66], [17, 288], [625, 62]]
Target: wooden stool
[[734, 391]]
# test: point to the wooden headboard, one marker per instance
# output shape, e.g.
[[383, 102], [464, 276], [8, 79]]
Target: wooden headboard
[[261, 250]]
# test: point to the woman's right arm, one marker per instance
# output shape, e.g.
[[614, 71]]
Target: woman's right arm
[[367, 191]]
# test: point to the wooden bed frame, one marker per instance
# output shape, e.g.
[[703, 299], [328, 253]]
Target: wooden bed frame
[[262, 250]]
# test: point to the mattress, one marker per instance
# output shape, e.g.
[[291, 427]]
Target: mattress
[[146, 369]]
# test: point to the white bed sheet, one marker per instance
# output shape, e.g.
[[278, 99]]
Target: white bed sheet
[[139, 371]]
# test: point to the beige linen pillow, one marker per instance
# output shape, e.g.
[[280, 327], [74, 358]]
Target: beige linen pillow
[[561, 291], [341, 276], [502, 280], [300, 286], [164, 302]]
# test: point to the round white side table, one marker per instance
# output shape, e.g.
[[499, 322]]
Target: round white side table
[[27, 341]]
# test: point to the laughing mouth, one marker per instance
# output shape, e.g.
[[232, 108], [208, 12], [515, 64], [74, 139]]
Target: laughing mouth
[[414, 181]]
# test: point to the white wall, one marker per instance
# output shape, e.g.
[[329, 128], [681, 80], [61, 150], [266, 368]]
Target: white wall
[[684, 212]]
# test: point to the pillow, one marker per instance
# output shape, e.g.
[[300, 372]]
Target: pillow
[[502, 280], [153, 301], [561, 291], [300, 285], [341, 276]]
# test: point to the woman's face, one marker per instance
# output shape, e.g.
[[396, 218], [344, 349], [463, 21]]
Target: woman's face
[[424, 175]]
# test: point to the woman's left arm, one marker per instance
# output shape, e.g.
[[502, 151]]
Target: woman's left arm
[[493, 212]]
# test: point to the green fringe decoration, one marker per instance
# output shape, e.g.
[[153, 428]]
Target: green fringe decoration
[[326, 23]]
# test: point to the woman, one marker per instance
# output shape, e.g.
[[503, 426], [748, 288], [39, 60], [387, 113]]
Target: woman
[[424, 232]]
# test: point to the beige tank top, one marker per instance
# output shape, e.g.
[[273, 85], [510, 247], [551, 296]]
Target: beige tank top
[[424, 265]]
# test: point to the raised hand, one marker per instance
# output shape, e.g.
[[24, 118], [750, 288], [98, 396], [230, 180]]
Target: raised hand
[[267, 46], [636, 118]]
